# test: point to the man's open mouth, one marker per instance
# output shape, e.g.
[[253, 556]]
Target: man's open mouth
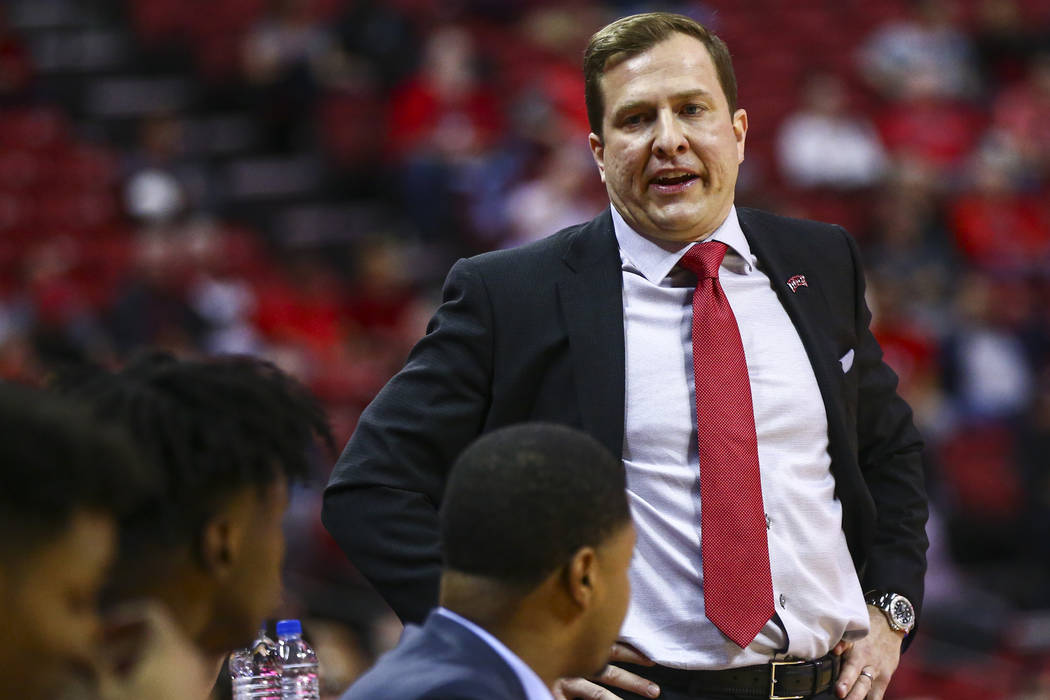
[[672, 180]]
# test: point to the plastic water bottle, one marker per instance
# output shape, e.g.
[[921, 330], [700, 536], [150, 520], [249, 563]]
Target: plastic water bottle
[[255, 672], [298, 663]]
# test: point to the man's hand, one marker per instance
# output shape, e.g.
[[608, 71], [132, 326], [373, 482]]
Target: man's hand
[[571, 688], [868, 664]]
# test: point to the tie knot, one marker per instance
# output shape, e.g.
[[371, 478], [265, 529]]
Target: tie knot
[[703, 259]]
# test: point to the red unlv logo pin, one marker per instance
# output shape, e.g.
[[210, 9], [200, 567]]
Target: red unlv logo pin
[[797, 281]]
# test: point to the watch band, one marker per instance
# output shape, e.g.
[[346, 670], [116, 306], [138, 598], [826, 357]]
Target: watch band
[[899, 611]]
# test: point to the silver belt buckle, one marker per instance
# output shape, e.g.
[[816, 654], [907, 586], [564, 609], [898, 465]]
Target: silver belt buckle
[[773, 680]]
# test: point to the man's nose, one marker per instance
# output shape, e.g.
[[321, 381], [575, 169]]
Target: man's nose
[[669, 138]]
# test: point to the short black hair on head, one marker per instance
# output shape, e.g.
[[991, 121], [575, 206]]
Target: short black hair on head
[[522, 500], [213, 427], [55, 461], [636, 34]]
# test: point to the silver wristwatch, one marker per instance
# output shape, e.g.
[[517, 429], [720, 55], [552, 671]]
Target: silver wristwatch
[[899, 611]]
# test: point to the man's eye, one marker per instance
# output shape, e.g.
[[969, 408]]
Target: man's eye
[[693, 109], [632, 119]]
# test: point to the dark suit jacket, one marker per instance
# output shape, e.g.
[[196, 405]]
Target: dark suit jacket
[[536, 333], [442, 660]]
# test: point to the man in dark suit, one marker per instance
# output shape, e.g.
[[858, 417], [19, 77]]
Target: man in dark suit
[[537, 538], [723, 353]]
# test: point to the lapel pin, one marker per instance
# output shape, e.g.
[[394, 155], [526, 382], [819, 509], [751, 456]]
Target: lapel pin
[[795, 282]]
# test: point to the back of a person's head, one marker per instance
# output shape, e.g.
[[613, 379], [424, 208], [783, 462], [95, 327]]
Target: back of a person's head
[[65, 482], [215, 427], [522, 500]]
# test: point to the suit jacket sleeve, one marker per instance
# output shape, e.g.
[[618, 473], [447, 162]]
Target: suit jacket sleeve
[[381, 504], [890, 457]]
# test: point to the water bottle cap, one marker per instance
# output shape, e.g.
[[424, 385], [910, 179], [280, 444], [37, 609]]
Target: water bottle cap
[[288, 627]]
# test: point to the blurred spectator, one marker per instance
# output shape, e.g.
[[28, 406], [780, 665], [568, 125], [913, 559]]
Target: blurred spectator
[[150, 308], [555, 38], [910, 251], [929, 49], [374, 321], [1004, 40], [65, 326], [823, 144], [912, 266], [539, 66], [985, 502], [382, 292], [378, 43], [923, 125], [987, 370], [221, 299], [561, 195], [162, 183], [998, 228], [443, 121], [909, 347], [283, 57], [1022, 113], [305, 308]]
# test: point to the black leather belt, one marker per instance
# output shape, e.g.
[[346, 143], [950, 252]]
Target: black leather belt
[[777, 680]]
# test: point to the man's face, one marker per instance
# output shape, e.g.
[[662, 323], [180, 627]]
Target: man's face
[[49, 601], [671, 149], [253, 589], [610, 608]]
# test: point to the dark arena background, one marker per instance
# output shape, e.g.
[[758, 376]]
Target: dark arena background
[[293, 178]]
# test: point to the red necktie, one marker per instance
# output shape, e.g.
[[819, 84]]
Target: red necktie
[[738, 587]]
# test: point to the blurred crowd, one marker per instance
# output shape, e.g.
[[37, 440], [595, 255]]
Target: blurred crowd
[[447, 128]]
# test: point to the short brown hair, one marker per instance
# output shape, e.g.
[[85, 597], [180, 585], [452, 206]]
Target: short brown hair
[[630, 36]]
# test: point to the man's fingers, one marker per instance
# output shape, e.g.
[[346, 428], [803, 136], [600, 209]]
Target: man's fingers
[[558, 690], [847, 677], [573, 688], [863, 684], [622, 652], [842, 648], [620, 678], [878, 688]]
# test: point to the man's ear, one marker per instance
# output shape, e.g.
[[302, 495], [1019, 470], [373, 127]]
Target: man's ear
[[598, 152], [740, 132], [220, 545], [582, 578]]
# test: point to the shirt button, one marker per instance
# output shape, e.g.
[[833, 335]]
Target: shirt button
[[783, 600], [769, 521]]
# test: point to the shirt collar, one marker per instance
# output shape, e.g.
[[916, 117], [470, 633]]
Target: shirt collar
[[534, 687], [655, 263]]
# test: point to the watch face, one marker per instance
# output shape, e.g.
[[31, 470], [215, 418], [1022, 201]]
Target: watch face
[[902, 612]]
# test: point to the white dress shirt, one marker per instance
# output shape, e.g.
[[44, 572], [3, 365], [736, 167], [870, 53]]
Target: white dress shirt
[[534, 687], [816, 590]]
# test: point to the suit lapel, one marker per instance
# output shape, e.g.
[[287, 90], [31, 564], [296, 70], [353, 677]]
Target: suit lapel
[[591, 299], [804, 306]]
